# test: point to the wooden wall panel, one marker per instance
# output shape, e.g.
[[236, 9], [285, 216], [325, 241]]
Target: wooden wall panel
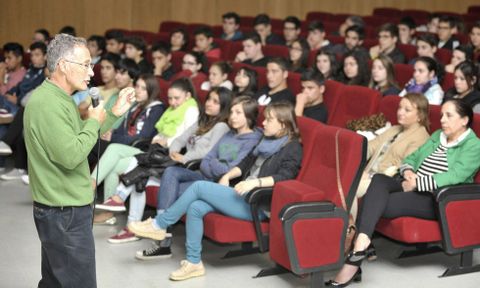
[[19, 18]]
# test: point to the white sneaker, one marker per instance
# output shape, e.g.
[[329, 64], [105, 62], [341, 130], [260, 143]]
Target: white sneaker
[[25, 179], [187, 270], [5, 149], [13, 174]]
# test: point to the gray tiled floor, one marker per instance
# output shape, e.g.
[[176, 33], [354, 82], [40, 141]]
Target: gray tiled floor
[[116, 266]]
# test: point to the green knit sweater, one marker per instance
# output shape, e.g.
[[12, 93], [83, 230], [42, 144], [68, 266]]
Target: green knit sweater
[[58, 143]]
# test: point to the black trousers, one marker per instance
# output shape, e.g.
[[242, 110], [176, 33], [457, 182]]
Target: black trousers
[[68, 249], [14, 139], [385, 198]]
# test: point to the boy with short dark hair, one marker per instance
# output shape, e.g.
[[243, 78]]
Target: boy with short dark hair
[[387, 44], [114, 41], [277, 88], [231, 27], [354, 37], [316, 36], [13, 70], [406, 30], [96, 47], [292, 27], [263, 27], [252, 53], [446, 29], [135, 49], [204, 43], [161, 58], [310, 101]]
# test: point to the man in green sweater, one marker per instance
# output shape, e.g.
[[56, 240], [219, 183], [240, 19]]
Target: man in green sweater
[[58, 143]]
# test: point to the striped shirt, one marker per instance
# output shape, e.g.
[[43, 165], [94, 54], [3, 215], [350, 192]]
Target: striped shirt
[[435, 163]]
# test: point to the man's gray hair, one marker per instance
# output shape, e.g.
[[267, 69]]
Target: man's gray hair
[[61, 47]]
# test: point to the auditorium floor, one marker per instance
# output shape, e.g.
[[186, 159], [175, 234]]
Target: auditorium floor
[[117, 267]]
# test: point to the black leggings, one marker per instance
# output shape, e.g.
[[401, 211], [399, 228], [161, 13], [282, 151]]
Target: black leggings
[[385, 198], [14, 138]]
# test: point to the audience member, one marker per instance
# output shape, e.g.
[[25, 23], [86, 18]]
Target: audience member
[[475, 41], [446, 37], [426, 77], [204, 43], [41, 35], [231, 27], [460, 54], [466, 85], [326, 63], [261, 25], [218, 76], [316, 36], [406, 30], [310, 101], [276, 89], [96, 47], [387, 44], [292, 27], [355, 69], [298, 53], [161, 58], [114, 41], [252, 53], [13, 71], [349, 22], [383, 76], [135, 49], [354, 37], [245, 82]]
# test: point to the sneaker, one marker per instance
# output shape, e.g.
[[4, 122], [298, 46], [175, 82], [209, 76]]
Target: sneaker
[[5, 150], [5, 117], [108, 221], [124, 236], [25, 179], [156, 252], [13, 174], [111, 205], [187, 270], [146, 230]]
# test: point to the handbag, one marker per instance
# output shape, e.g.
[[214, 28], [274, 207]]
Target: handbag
[[351, 228]]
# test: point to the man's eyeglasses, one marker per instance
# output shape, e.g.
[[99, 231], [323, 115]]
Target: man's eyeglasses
[[86, 66]]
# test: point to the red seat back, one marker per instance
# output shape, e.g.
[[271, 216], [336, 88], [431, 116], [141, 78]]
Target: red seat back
[[164, 85], [448, 81], [403, 73], [177, 58], [276, 51], [389, 106], [410, 51], [293, 82], [443, 56], [169, 26], [333, 91]]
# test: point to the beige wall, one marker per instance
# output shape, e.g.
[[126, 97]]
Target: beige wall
[[19, 18]]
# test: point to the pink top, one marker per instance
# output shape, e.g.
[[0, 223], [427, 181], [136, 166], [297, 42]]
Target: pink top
[[13, 78]]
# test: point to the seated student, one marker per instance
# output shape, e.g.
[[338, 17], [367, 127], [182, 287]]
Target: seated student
[[316, 36], [355, 69], [298, 53], [326, 63], [475, 41], [181, 114], [114, 41], [387, 44], [204, 43], [310, 101], [245, 82], [446, 37], [383, 76], [199, 139], [276, 89], [460, 54], [252, 53], [12, 142], [406, 30], [231, 27], [426, 46], [386, 151], [41, 35], [276, 158], [17, 96], [218, 76], [426, 74], [96, 47], [197, 64], [445, 159], [432, 24], [178, 40], [349, 22], [70, 30], [354, 37], [14, 71], [135, 49], [161, 58], [109, 63], [261, 25], [466, 85], [292, 27]]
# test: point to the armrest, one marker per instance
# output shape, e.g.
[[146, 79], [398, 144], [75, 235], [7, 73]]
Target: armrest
[[142, 143], [463, 191], [290, 210], [193, 164], [258, 194]]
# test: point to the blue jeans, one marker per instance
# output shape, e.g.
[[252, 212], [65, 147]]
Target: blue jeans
[[68, 249], [175, 180], [201, 198]]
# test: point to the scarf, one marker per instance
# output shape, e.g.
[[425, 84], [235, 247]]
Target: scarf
[[269, 146], [413, 87], [172, 118]]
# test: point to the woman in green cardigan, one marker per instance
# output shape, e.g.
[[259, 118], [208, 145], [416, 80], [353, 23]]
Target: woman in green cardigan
[[445, 159]]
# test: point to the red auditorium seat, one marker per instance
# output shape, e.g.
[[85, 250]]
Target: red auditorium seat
[[410, 51], [217, 31], [318, 16], [333, 92], [235, 47], [389, 106], [164, 85], [447, 82], [246, 21], [276, 51], [386, 12], [191, 27], [443, 56], [148, 36], [224, 229], [334, 39], [354, 102], [161, 37], [277, 24], [473, 10], [308, 223], [403, 73], [177, 58], [97, 76], [369, 43], [169, 26], [420, 16], [294, 83]]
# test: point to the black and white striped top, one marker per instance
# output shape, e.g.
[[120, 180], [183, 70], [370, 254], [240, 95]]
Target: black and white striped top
[[435, 163]]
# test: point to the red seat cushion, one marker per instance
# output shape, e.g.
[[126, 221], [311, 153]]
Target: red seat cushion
[[410, 229], [224, 229]]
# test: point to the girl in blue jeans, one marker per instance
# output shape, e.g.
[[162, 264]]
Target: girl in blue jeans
[[276, 158]]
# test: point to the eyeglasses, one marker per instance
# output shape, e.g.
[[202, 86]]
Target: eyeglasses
[[189, 63], [86, 66]]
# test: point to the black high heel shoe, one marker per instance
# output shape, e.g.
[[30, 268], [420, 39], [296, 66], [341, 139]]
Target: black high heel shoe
[[357, 277]]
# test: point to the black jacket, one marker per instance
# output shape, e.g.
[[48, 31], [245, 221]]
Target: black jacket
[[283, 165]]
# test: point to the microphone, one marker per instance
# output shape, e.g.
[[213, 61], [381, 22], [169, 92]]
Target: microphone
[[95, 94]]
